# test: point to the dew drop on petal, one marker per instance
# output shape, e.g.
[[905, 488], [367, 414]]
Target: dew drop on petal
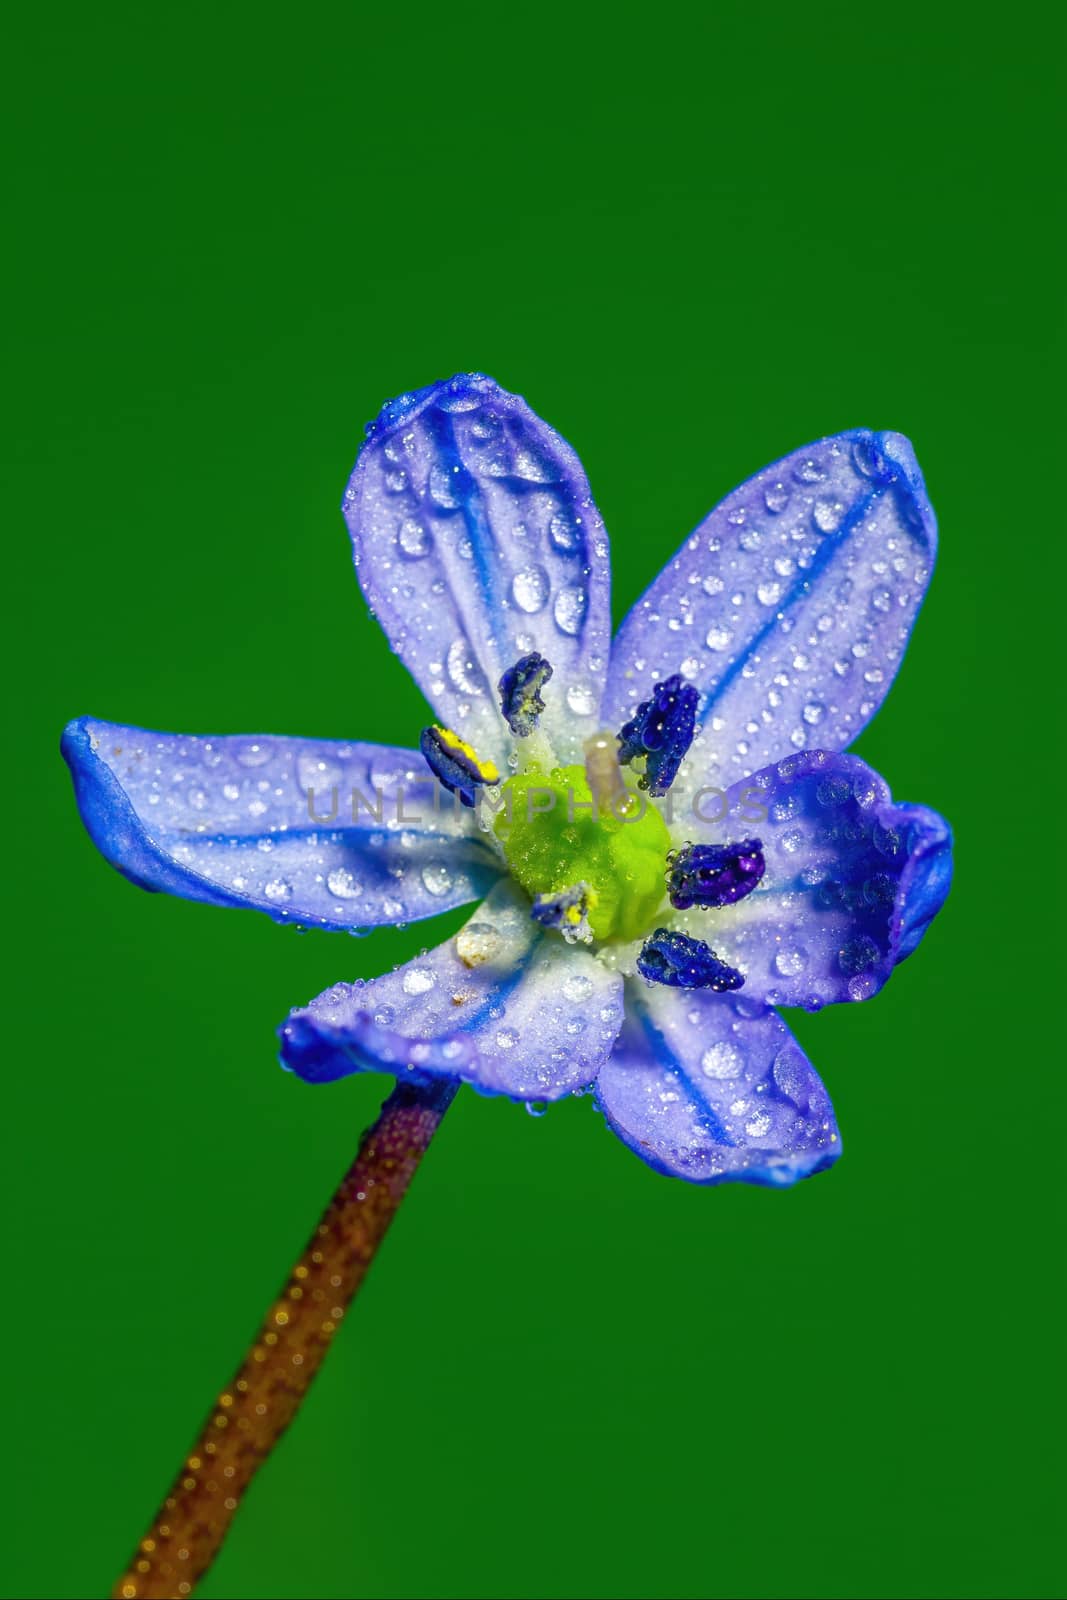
[[581, 699], [418, 980], [722, 1060], [790, 962], [530, 589], [256, 753], [462, 669], [827, 514], [569, 610], [564, 533], [413, 539], [436, 878], [578, 987], [342, 884]]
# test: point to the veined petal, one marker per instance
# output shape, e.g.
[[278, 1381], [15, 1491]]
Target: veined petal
[[851, 882], [790, 606], [703, 1089], [338, 835], [477, 542], [502, 1006]]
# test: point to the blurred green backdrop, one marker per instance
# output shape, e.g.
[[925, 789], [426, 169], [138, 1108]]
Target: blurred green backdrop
[[694, 238]]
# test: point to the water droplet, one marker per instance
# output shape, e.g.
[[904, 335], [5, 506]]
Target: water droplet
[[569, 610], [859, 955], [278, 890], [881, 600], [413, 539], [564, 533], [776, 498], [769, 593], [581, 699], [418, 980], [813, 712], [809, 471], [341, 883], [256, 753], [758, 1125], [530, 588], [448, 486], [793, 1076], [464, 672], [717, 638], [827, 514], [578, 987], [436, 878], [722, 1060], [507, 1038], [536, 1108], [790, 962], [869, 460], [478, 943]]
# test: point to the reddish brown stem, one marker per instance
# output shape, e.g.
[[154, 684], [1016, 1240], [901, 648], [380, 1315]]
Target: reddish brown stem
[[254, 1410]]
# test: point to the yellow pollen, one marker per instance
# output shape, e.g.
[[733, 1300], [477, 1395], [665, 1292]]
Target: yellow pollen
[[487, 771]]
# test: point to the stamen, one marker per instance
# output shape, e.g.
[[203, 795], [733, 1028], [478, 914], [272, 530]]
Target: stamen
[[520, 693], [567, 912], [661, 729], [684, 963], [602, 771], [454, 764], [713, 874]]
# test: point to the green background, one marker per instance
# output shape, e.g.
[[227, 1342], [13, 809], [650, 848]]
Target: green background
[[695, 238]]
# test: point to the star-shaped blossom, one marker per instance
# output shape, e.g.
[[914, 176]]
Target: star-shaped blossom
[[640, 923]]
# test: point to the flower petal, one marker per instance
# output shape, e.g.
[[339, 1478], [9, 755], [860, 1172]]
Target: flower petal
[[789, 607], [852, 881], [229, 820], [703, 1089], [502, 1005], [477, 541]]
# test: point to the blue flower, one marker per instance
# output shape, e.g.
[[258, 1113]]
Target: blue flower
[[634, 942]]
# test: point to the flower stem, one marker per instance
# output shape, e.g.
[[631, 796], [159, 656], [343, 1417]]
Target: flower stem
[[254, 1410]]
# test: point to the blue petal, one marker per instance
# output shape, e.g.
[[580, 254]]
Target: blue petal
[[477, 542], [228, 820], [851, 880], [790, 606], [502, 1005], [703, 1089]]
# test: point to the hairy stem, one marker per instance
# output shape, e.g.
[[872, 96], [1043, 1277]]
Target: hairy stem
[[256, 1407]]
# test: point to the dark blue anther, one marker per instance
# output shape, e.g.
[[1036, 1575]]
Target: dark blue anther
[[684, 963], [520, 693], [454, 764], [713, 874], [661, 729]]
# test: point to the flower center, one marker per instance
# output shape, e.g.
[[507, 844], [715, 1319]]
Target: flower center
[[555, 836]]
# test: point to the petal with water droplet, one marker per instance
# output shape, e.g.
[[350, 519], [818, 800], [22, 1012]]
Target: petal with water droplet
[[705, 1089], [510, 1009], [331, 834], [851, 882], [797, 587], [476, 541]]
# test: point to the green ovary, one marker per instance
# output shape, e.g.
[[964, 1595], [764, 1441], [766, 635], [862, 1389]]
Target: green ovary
[[622, 858]]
